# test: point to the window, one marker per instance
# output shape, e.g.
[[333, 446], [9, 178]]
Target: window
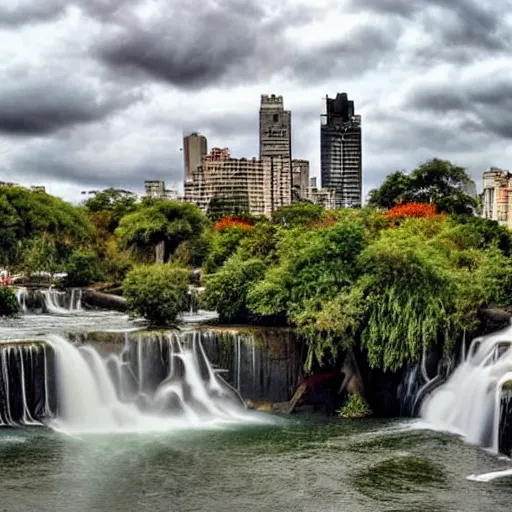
[[276, 118]]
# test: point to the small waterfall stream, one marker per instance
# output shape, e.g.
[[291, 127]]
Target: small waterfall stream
[[470, 402], [156, 382]]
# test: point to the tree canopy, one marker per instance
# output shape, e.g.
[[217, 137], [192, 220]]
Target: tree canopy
[[437, 181]]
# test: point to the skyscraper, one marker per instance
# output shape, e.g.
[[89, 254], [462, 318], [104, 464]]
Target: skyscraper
[[341, 155], [276, 149], [275, 128], [194, 148]]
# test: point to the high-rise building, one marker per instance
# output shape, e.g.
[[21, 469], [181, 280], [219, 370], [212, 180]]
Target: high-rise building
[[227, 185], [275, 128], [341, 155], [300, 179], [195, 146]]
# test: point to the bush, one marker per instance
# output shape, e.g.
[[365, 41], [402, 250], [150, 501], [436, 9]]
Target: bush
[[83, 269], [355, 408], [226, 290], [8, 303], [157, 292]]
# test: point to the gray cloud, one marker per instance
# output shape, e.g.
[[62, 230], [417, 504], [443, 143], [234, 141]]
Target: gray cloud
[[459, 30], [485, 98], [41, 107], [18, 12], [233, 42]]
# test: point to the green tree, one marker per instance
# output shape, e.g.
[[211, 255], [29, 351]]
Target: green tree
[[8, 303], [107, 207], [161, 223], [226, 290], [83, 269], [157, 292], [436, 181], [298, 214]]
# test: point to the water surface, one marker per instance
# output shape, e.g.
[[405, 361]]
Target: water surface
[[309, 463]]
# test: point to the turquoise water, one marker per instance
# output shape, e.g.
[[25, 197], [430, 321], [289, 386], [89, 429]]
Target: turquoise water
[[304, 463]]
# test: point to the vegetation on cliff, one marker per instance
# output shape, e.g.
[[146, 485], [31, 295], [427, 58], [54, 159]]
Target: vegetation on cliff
[[409, 272]]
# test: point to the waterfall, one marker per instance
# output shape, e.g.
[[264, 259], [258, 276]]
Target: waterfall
[[156, 383], [56, 302], [21, 296], [469, 403], [25, 384]]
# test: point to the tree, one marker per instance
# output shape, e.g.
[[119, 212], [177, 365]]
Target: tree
[[8, 303], [83, 269], [157, 292], [107, 207], [31, 219], [298, 214], [437, 181], [161, 223]]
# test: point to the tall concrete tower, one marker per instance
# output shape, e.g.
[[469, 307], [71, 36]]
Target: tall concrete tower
[[195, 147], [275, 128], [340, 151]]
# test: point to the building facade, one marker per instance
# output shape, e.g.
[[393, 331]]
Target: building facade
[[300, 180], [497, 196], [226, 185], [341, 151], [156, 188], [195, 147], [275, 128]]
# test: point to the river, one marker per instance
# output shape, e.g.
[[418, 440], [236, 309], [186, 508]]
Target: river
[[287, 463]]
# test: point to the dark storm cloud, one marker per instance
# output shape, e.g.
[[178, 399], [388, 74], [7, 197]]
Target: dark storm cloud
[[486, 98], [19, 12], [458, 28], [234, 42], [44, 107], [192, 45]]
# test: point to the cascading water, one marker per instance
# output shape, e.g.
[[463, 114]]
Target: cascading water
[[56, 302], [469, 403], [21, 296], [153, 384]]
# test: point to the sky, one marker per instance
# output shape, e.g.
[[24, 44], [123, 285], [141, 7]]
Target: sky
[[99, 93]]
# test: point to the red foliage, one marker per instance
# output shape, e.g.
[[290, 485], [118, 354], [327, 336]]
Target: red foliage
[[233, 222], [416, 210]]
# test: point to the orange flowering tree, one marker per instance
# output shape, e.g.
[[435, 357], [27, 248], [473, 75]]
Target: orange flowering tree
[[414, 210], [233, 222]]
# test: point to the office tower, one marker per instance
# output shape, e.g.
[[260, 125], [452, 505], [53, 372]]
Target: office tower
[[341, 155], [195, 147], [275, 128], [300, 179]]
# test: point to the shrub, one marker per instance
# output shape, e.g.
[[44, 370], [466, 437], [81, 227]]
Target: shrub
[[83, 269], [8, 303], [157, 292], [355, 408], [226, 290]]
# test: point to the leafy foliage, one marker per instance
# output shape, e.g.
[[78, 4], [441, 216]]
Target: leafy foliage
[[160, 221], [298, 214], [8, 303], [157, 292], [83, 269], [355, 408], [227, 289], [436, 181]]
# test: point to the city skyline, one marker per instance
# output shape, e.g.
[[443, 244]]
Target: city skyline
[[100, 93]]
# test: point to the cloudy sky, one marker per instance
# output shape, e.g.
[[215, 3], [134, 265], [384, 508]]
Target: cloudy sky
[[98, 93]]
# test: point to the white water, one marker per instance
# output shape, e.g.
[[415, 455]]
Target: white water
[[191, 394], [468, 404], [55, 302]]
